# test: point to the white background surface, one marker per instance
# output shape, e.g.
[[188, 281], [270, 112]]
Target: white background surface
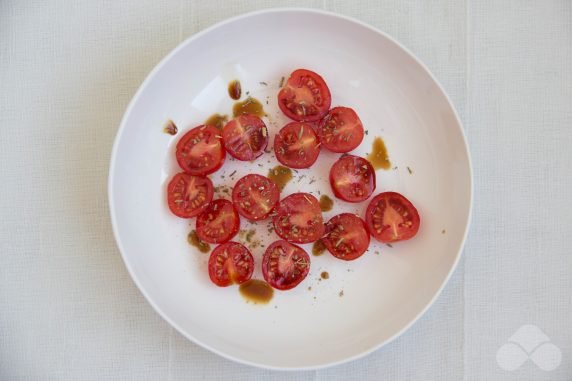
[[68, 309]]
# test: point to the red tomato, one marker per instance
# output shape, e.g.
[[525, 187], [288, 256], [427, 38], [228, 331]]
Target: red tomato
[[346, 236], [285, 265], [255, 196], [352, 178], [391, 217], [299, 218], [305, 97], [341, 130], [230, 263], [189, 195], [201, 151], [245, 137], [296, 145], [218, 223]]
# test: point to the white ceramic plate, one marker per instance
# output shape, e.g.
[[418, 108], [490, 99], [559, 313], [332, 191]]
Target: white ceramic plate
[[396, 97]]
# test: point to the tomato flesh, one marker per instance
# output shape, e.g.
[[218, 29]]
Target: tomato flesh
[[390, 217], [230, 263], [201, 150], [299, 218], [255, 196], [296, 145], [346, 236], [218, 223], [188, 195], [285, 265], [341, 130], [245, 137], [352, 178], [305, 97]]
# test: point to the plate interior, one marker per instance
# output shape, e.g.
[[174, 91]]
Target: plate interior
[[364, 303]]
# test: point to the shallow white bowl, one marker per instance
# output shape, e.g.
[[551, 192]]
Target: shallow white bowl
[[385, 290]]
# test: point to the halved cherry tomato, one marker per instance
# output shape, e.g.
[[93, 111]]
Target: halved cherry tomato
[[390, 217], [299, 218], [352, 178], [305, 97], [285, 265], [296, 145], [341, 130], [255, 196], [189, 195], [218, 223], [230, 263], [346, 236], [245, 137], [201, 150]]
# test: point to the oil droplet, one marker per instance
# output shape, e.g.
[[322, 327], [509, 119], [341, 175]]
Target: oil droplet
[[318, 248], [326, 203], [170, 128], [217, 120], [195, 241], [256, 291], [280, 175], [325, 275], [248, 106], [234, 89], [378, 156]]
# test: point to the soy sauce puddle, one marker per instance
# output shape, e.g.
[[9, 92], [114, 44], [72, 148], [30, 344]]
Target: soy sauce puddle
[[248, 106], [378, 156], [280, 175], [256, 291], [326, 203], [217, 120]]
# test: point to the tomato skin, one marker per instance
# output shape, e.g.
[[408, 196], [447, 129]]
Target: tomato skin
[[230, 263], [245, 137], [255, 196], [296, 145], [305, 97], [346, 236], [390, 217], [341, 130], [218, 223], [298, 218], [285, 265], [352, 178], [201, 150], [183, 185]]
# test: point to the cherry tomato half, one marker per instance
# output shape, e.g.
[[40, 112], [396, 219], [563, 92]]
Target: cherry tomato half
[[390, 217], [201, 150], [245, 137], [254, 196], [218, 223], [285, 265], [296, 145], [189, 195], [341, 130], [305, 97], [299, 218], [346, 236], [352, 178], [230, 263]]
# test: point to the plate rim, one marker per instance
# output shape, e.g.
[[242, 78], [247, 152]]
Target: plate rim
[[121, 129]]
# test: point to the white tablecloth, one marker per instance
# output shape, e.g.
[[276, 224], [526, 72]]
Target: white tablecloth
[[68, 309]]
